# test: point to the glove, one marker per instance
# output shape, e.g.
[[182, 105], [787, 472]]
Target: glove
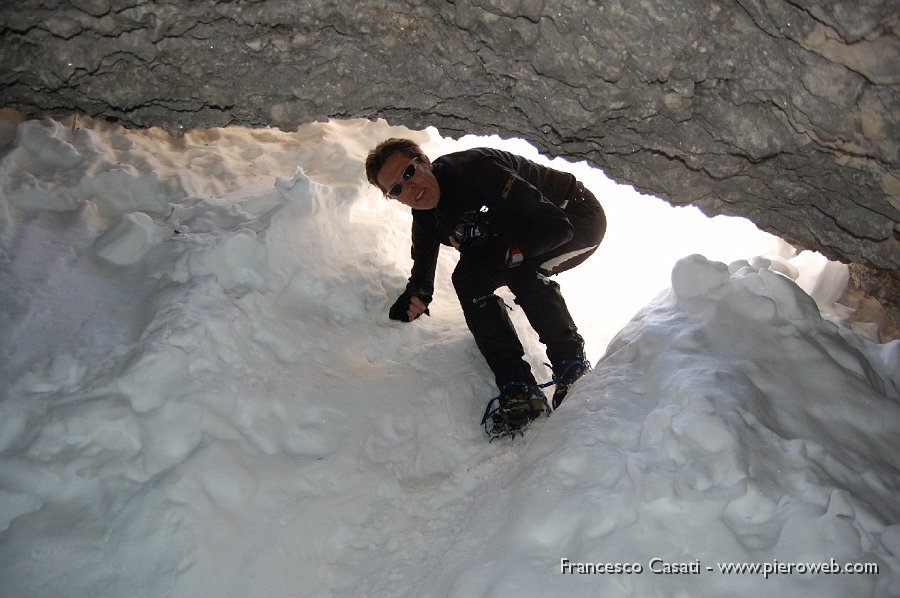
[[400, 309]]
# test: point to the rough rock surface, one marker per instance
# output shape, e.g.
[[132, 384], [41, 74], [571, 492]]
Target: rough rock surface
[[785, 112]]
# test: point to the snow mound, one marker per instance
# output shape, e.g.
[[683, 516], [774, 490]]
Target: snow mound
[[727, 423]]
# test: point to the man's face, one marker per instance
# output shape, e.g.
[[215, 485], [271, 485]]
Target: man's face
[[413, 179]]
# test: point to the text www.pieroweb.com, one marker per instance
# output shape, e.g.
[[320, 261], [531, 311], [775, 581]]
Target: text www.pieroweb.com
[[659, 566]]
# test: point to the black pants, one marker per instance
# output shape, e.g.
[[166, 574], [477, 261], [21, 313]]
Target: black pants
[[539, 297]]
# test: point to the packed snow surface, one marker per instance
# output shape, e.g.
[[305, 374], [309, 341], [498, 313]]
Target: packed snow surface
[[202, 394]]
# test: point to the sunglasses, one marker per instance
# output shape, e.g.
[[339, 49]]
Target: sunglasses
[[395, 191]]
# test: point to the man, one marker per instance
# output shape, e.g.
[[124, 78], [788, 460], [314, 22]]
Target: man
[[515, 224]]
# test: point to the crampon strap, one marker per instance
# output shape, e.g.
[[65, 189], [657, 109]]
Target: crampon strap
[[492, 422], [571, 363]]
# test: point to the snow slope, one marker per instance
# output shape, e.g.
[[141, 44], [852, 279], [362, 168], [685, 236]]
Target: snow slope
[[202, 394]]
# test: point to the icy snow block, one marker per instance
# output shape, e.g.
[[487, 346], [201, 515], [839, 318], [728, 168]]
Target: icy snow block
[[241, 260], [696, 276], [129, 239], [123, 189], [32, 197], [42, 150]]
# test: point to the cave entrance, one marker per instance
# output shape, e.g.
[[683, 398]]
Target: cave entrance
[[646, 236]]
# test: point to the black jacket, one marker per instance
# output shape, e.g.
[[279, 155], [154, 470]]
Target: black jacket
[[521, 200]]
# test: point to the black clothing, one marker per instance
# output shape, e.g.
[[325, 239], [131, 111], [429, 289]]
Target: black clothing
[[545, 214]]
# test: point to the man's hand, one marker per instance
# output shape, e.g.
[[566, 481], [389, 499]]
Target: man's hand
[[408, 307], [417, 307]]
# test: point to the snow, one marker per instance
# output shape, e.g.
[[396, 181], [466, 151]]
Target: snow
[[202, 394]]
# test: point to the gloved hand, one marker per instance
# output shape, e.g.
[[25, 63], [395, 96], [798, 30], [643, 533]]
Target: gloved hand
[[402, 307]]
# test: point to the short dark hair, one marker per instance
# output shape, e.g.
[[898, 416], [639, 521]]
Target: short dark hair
[[378, 156]]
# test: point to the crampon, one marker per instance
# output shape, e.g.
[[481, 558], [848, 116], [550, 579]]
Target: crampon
[[520, 403], [510, 413]]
